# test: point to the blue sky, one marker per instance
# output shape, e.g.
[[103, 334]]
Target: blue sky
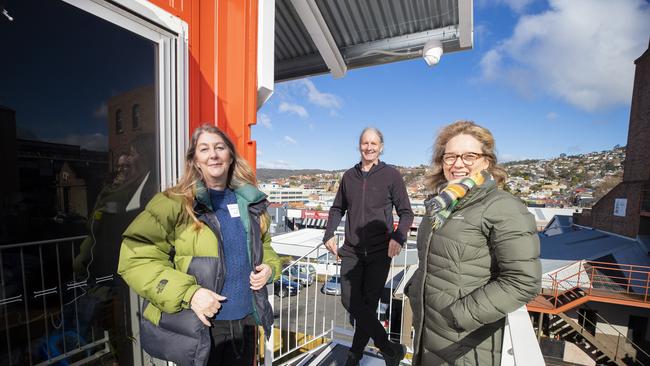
[[546, 77]]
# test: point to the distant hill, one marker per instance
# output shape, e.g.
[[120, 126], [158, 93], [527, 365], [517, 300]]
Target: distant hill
[[264, 174]]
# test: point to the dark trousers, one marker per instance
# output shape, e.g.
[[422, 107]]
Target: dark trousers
[[362, 281], [234, 342]]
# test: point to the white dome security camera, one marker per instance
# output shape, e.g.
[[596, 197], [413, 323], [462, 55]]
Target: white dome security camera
[[432, 51]]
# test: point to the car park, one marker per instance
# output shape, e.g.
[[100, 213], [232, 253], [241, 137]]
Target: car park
[[332, 286], [286, 287], [305, 274]]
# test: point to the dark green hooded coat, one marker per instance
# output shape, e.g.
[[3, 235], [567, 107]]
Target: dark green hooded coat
[[480, 265]]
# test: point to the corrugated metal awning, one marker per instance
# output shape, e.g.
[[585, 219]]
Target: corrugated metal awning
[[319, 36]]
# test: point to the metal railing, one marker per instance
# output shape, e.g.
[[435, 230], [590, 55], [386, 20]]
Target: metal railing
[[42, 305], [520, 346], [310, 318], [568, 287], [623, 344]]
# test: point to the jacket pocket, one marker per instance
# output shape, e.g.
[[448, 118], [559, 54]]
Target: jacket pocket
[[179, 337]]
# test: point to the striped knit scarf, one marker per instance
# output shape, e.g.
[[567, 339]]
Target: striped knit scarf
[[441, 206]]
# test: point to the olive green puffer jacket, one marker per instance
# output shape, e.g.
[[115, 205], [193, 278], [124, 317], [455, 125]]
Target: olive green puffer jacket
[[165, 260], [480, 265]]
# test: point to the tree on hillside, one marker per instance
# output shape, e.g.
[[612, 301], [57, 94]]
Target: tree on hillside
[[608, 183]]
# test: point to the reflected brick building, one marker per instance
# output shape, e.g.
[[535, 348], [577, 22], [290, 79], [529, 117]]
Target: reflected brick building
[[130, 115]]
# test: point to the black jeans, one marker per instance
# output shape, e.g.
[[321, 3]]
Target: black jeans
[[234, 342], [362, 281]]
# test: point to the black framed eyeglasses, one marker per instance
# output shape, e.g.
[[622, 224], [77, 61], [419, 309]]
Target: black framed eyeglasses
[[468, 158]]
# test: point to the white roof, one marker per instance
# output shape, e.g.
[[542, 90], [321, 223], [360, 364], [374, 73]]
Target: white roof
[[299, 243]]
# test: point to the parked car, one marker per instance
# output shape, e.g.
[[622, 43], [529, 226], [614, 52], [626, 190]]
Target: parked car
[[305, 274], [285, 287], [332, 286]]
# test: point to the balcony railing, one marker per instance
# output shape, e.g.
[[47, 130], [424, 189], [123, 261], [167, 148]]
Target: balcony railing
[[44, 315], [584, 281], [310, 319]]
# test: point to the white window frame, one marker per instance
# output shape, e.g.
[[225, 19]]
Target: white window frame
[[170, 33]]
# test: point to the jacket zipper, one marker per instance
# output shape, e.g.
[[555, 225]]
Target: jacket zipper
[[250, 240], [421, 294], [217, 231], [363, 213]]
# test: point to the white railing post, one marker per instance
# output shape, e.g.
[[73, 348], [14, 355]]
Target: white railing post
[[520, 345]]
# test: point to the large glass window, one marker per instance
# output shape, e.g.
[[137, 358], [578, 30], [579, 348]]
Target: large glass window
[[78, 167]]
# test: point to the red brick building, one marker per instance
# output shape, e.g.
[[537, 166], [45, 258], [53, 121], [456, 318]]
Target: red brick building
[[625, 210]]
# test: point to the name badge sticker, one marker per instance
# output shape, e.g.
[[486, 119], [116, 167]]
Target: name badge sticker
[[233, 208]]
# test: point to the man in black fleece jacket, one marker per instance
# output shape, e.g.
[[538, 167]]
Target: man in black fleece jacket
[[367, 193]]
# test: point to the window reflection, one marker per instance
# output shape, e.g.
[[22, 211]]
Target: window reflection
[[78, 147], [135, 115], [119, 126]]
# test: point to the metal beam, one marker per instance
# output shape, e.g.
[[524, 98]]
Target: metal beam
[[313, 20], [360, 55], [466, 23]]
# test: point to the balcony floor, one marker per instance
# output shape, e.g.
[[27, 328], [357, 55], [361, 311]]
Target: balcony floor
[[336, 353]]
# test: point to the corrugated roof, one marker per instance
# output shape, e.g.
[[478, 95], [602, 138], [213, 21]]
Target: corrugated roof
[[359, 28]]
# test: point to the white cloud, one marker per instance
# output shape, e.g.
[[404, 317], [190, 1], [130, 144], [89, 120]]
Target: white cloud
[[265, 121], [293, 108], [289, 140], [551, 115], [325, 100], [101, 112], [518, 6], [581, 51], [490, 64], [94, 142], [275, 164]]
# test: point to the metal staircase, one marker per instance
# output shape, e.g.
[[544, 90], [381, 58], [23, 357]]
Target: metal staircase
[[581, 282], [586, 281]]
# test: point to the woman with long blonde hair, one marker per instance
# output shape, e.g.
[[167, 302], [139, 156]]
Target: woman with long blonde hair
[[176, 252]]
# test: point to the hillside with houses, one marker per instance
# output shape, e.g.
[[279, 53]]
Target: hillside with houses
[[568, 180]]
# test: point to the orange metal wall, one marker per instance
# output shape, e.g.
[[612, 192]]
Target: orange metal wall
[[222, 65]]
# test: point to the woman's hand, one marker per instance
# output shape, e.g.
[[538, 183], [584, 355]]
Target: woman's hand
[[205, 304], [259, 279]]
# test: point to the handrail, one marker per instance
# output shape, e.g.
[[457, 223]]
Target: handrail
[[619, 334], [40, 275], [520, 347], [292, 312], [329, 319], [38, 242], [591, 276]]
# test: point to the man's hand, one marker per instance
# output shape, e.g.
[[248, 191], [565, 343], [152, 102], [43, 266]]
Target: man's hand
[[394, 248], [331, 245], [205, 304], [259, 279]]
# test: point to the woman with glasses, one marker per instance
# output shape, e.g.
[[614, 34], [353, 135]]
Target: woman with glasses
[[478, 250]]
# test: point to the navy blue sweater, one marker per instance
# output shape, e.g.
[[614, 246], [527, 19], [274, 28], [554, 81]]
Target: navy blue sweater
[[238, 266]]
